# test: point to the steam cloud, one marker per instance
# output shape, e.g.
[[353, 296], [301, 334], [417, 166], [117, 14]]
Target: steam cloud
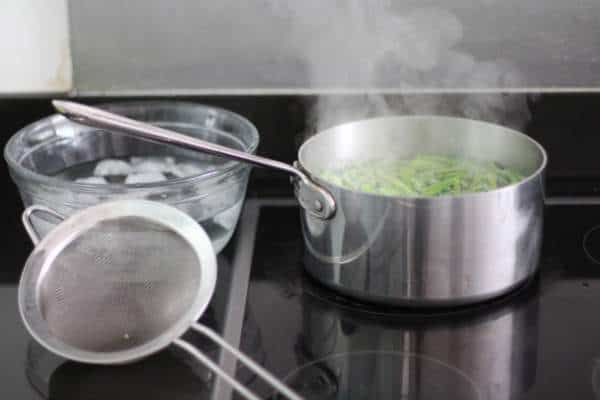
[[372, 46]]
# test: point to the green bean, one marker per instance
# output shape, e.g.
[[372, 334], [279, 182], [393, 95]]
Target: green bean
[[423, 175]]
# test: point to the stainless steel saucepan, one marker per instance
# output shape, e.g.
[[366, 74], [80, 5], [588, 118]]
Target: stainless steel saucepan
[[426, 251]]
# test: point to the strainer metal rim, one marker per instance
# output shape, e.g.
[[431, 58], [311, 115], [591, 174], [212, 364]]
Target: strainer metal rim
[[54, 242]]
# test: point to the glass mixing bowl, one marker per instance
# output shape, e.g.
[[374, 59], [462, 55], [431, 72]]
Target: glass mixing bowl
[[41, 155]]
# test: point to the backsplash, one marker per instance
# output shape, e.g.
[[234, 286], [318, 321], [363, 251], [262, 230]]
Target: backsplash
[[567, 125]]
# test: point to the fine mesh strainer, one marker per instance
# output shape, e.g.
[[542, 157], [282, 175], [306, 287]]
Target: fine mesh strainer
[[121, 280]]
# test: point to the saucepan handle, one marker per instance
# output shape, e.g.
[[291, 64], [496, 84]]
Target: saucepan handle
[[26, 218], [312, 197]]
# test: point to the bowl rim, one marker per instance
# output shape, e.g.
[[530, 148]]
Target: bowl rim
[[229, 168]]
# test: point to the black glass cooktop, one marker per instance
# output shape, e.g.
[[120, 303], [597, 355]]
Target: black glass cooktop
[[540, 342]]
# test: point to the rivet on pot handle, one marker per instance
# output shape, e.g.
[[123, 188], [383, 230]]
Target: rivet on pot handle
[[315, 199], [26, 218]]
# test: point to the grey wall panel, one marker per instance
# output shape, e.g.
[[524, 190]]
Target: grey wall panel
[[185, 46]]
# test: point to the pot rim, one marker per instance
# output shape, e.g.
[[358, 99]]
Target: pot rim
[[534, 175]]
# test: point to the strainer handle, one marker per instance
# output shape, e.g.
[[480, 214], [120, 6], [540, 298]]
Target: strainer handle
[[241, 357], [26, 218]]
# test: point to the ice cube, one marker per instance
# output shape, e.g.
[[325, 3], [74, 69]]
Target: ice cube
[[176, 172], [97, 180], [187, 169], [145, 177], [136, 160], [152, 164], [112, 167]]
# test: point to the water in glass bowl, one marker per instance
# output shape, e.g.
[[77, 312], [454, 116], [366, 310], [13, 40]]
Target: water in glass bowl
[[217, 214]]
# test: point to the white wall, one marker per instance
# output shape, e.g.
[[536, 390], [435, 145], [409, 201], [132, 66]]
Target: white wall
[[34, 47]]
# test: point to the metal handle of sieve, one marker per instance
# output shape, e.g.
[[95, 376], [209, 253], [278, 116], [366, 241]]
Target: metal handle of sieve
[[26, 218], [241, 357]]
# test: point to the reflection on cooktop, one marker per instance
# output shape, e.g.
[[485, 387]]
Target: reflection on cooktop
[[381, 375], [496, 345], [168, 374], [536, 342], [171, 373]]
